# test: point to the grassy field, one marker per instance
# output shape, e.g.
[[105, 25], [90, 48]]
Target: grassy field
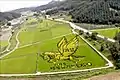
[[28, 60], [3, 45], [110, 33], [13, 40]]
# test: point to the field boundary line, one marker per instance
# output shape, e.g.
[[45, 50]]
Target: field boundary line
[[64, 72], [43, 41], [52, 73]]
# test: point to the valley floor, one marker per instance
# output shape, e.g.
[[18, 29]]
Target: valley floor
[[20, 57]]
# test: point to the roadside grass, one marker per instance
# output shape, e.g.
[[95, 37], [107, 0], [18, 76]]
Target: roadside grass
[[13, 40], [110, 33], [3, 45], [23, 60]]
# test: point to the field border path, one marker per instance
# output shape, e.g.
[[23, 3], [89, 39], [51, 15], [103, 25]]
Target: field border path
[[7, 49], [14, 47], [62, 72]]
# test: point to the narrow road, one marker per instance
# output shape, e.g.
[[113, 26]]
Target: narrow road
[[10, 44], [8, 39], [85, 30], [7, 49]]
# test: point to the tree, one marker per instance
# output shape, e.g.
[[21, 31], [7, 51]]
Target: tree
[[102, 47], [94, 35], [8, 24], [81, 32], [87, 35], [36, 14], [117, 37], [53, 18], [2, 23], [114, 50], [12, 31], [26, 19], [117, 25], [118, 63]]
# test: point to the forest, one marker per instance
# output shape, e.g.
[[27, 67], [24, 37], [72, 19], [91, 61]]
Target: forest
[[90, 11]]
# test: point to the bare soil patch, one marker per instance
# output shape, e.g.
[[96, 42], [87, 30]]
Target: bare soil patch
[[110, 76]]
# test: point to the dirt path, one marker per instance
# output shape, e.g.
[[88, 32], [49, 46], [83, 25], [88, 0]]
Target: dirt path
[[110, 76], [10, 44], [49, 73]]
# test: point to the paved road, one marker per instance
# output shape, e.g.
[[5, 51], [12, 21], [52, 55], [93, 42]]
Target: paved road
[[85, 30]]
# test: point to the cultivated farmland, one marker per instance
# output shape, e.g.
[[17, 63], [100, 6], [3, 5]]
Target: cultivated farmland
[[38, 50], [110, 32]]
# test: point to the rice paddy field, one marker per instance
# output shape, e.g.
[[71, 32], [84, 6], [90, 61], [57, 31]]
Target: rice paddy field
[[38, 37], [110, 32]]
